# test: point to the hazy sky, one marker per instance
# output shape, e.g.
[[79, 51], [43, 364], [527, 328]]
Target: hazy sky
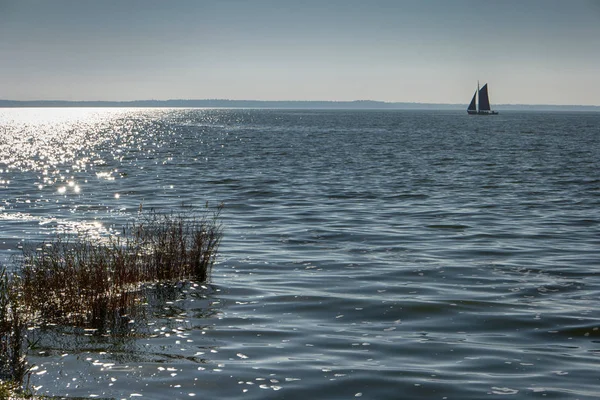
[[433, 51]]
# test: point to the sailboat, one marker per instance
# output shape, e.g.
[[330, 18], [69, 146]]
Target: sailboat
[[484, 102]]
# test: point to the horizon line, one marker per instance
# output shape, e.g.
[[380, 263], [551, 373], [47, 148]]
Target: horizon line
[[4, 102]]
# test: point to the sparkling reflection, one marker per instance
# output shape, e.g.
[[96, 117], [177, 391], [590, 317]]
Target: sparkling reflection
[[58, 144]]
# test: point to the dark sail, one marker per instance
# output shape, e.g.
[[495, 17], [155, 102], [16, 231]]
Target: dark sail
[[484, 100], [472, 106]]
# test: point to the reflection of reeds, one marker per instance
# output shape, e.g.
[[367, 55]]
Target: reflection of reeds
[[84, 282]]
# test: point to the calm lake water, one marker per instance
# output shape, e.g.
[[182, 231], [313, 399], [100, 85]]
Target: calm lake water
[[373, 254]]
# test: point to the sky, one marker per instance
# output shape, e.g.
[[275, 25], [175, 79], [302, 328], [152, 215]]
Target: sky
[[429, 51]]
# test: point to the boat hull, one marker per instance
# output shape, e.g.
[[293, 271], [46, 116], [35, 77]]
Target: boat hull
[[470, 112]]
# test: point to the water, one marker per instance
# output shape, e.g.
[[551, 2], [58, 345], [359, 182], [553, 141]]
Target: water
[[382, 255]]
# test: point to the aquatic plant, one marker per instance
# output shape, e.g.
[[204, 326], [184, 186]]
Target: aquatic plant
[[74, 281], [176, 247], [83, 282], [13, 325]]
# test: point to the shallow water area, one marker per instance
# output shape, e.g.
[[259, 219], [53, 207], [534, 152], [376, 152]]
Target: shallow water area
[[366, 254]]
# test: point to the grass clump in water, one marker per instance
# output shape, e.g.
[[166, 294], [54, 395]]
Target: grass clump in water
[[13, 364], [173, 247], [80, 281], [88, 283]]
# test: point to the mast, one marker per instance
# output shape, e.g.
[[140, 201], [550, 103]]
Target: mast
[[478, 106]]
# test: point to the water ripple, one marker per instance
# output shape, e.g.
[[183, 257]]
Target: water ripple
[[366, 254]]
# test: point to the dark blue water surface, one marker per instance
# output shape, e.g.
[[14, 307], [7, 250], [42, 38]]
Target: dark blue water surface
[[374, 254]]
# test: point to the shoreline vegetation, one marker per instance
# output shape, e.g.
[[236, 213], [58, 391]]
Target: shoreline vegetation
[[99, 287], [287, 104]]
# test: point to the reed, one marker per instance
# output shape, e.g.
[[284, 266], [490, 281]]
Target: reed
[[82, 282], [13, 364], [175, 247], [79, 281], [73, 282]]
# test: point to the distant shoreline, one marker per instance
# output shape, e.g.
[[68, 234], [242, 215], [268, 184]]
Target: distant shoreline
[[283, 104]]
